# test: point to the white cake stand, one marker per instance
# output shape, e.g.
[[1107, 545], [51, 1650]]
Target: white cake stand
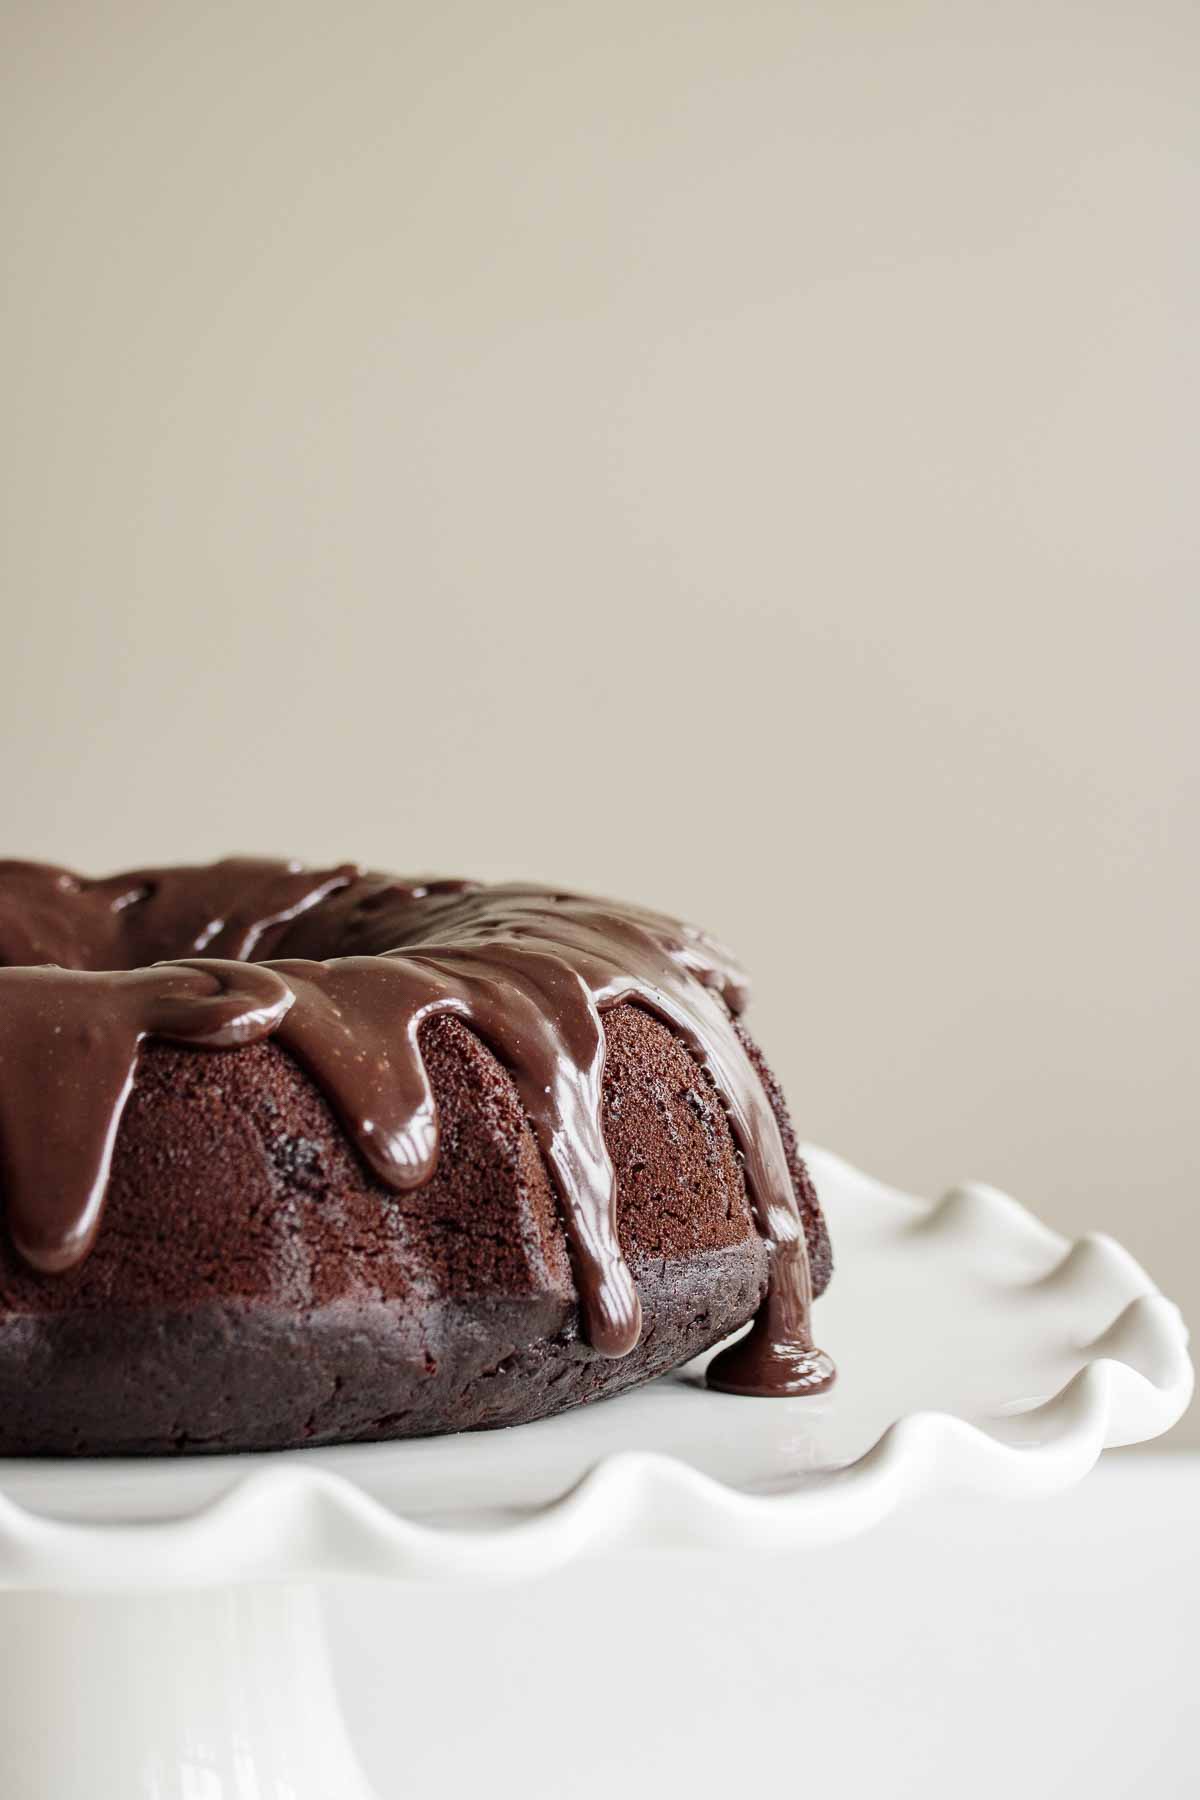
[[162, 1636]]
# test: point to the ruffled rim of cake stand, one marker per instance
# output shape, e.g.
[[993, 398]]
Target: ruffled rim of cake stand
[[287, 1518]]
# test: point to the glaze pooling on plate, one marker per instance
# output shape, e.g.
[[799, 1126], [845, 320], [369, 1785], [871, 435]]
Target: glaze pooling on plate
[[343, 969]]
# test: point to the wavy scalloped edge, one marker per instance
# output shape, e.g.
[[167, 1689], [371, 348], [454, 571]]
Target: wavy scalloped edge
[[292, 1522]]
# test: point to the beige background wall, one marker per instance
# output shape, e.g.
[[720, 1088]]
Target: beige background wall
[[738, 454]]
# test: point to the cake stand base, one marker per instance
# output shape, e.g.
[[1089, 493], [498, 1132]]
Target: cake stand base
[[206, 1694]]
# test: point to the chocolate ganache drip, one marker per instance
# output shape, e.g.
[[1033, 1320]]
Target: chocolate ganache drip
[[344, 968]]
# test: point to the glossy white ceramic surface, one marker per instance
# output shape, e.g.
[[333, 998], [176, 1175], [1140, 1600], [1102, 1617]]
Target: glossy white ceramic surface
[[977, 1349], [211, 1694]]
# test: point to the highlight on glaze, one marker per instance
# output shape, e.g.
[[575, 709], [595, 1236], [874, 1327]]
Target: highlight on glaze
[[344, 968]]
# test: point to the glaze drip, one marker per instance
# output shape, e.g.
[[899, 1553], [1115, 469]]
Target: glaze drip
[[68, 1049], [344, 968]]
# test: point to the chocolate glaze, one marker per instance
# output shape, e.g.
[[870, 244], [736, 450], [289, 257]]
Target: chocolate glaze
[[344, 968]]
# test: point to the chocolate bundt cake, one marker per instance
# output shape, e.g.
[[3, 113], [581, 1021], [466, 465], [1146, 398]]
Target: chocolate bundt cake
[[302, 1157]]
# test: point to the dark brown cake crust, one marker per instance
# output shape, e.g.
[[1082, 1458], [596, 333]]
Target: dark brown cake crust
[[257, 1287]]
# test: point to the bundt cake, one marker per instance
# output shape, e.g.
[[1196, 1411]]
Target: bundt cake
[[294, 1156]]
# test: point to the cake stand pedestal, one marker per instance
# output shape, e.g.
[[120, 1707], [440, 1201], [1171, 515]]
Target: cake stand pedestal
[[200, 1695], [160, 1620]]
